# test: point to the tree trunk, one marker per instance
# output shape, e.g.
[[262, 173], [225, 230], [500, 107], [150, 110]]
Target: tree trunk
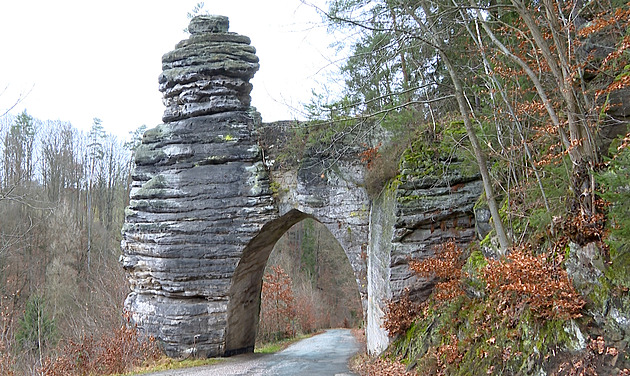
[[504, 242]]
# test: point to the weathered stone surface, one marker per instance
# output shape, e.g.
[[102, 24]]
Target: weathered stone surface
[[408, 222], [209, 73], [202, 218], [209, 24], [380, 249], [335, 197], [609, 310], [200, 193]]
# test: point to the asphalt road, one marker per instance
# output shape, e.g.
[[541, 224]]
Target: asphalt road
[[326, 354]]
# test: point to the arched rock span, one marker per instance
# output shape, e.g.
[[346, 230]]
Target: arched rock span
[[202, 217]]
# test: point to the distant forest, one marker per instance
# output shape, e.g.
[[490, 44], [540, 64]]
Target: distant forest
[[62, 197]]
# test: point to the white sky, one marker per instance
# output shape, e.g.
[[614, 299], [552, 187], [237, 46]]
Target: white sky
[[80, 59]]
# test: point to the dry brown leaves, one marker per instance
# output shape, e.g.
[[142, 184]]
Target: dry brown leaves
[[277, 305], [114, 353], [523, 279], [365, 365], [446, 264], [369, 155], [400, 315]]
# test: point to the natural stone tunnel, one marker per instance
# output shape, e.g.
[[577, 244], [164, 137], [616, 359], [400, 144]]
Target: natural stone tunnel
[[203, 219]]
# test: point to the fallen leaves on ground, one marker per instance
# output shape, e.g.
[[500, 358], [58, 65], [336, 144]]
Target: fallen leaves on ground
[[366, 365]]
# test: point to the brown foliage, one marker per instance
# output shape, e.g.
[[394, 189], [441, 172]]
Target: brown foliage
[[370, 155], [378, 366], [513, 283], [400, 315], [539, 282], [448, 353], [306, 313], [6, 363], [277, 306], [382, 165], [603, 21], [114, 353], [445, 265]]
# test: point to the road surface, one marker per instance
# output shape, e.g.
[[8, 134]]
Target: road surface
[[326, 354]]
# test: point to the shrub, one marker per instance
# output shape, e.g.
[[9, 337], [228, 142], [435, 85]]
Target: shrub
[[446, 265], [400, 315], [519, 281], [382, 165], [538, 282], [114, 353]]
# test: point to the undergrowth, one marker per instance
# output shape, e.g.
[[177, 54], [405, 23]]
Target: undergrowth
[[115, 353], [518, 314]]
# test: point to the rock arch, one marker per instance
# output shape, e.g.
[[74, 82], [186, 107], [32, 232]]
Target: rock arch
[[202, 218], [245, 291]]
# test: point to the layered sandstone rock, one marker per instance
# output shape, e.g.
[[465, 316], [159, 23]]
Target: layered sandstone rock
[[202, 219], [200, 192], [209, 72], [425, 208]]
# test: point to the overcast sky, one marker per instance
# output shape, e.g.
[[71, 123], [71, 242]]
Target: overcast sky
[[80, 59]]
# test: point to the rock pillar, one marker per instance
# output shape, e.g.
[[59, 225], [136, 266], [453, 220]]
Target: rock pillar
[[200, 192]]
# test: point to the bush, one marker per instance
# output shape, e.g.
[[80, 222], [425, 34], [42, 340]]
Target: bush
[[382, 165], [539, 282], [118, 352], [400, 315], [446, 265]]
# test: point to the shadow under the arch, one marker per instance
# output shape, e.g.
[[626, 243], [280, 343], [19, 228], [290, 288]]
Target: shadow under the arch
[[244, 294]]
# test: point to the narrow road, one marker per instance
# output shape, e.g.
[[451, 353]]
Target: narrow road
[[326, 354]]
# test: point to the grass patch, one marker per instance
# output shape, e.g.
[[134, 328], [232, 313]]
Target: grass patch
[[165, 363], [274, 347]]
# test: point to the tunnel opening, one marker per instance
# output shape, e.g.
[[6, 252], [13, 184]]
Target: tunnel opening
[[308, 284], [323, 287]]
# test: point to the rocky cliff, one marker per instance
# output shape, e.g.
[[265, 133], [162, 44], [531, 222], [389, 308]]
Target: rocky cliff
[[202, 219], [209, 200], [431, 202]]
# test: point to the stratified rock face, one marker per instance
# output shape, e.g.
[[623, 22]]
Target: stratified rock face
[[209, 72], [202, 219], [200, 193], [408, 221]]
